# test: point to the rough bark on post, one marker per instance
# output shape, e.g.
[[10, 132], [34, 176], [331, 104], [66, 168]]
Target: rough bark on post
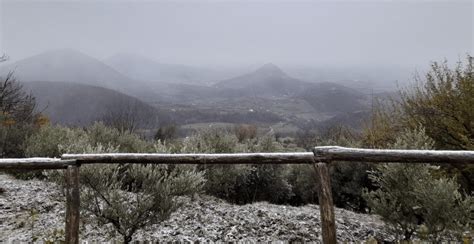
[[72, 204], [326, 206]]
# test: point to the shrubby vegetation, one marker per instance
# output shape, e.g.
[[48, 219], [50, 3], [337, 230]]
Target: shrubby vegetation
[[442, 103], [52, 141], [166, 133], [241, 183], [414, 199], [436, 113], [285, 184], [347, 180], [128, 196], [149, 199], [18, 118]]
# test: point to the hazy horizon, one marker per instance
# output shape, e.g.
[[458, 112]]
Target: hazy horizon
[[406, 34]]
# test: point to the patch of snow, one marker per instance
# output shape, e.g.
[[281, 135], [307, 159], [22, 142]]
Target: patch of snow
[[35, 208]]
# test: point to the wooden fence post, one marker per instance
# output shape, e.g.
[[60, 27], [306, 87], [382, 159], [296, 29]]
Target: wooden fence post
[[326, 206], [72, 204]]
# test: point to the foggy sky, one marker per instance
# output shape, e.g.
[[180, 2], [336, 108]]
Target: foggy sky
[[317, 33]]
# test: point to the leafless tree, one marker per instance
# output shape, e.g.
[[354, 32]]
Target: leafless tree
[[15, 103], [17, 112], [125, 117]]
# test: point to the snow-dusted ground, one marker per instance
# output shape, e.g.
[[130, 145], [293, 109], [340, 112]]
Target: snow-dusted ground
[[35, 209]]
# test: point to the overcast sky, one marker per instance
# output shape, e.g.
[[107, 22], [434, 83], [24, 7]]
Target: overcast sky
[[312, 33]]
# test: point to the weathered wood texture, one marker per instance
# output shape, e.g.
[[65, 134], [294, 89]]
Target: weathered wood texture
[[34, 163], [326, 206], [225, 158], [332, 153], [72, 204]]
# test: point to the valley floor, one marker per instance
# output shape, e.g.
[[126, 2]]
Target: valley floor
[[34, 210]]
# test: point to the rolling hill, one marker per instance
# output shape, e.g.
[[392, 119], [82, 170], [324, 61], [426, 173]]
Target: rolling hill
[[68, 65], [271, 82], [268, 80], [80, 105]]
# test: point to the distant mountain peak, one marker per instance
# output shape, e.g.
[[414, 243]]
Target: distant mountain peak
[[268, 80], [270, 68]]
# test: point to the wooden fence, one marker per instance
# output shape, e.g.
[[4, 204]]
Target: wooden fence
[[320, 158]]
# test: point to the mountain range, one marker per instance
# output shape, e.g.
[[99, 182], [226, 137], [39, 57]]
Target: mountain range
[[148, 70], [76, 89]]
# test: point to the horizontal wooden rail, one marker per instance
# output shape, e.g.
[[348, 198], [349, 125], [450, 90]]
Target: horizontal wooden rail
[[332, 153], [320, 154], [223, 158], [34, 163]]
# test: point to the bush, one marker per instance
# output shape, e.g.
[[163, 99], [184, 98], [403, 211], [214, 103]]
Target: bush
[[130, 196], [347, 183], [240, 183], [267, 182], [442, 103], [149, 200], [52, 141], [166, 133], [125, 141], [211, 141], [245, 132], [409, 195], [384, 125], [48, 140], [347, 179], [12, 139]]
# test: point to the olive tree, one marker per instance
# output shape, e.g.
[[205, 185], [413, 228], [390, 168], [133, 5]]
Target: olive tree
[[151, 197], [442, 102], [413, 197]]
